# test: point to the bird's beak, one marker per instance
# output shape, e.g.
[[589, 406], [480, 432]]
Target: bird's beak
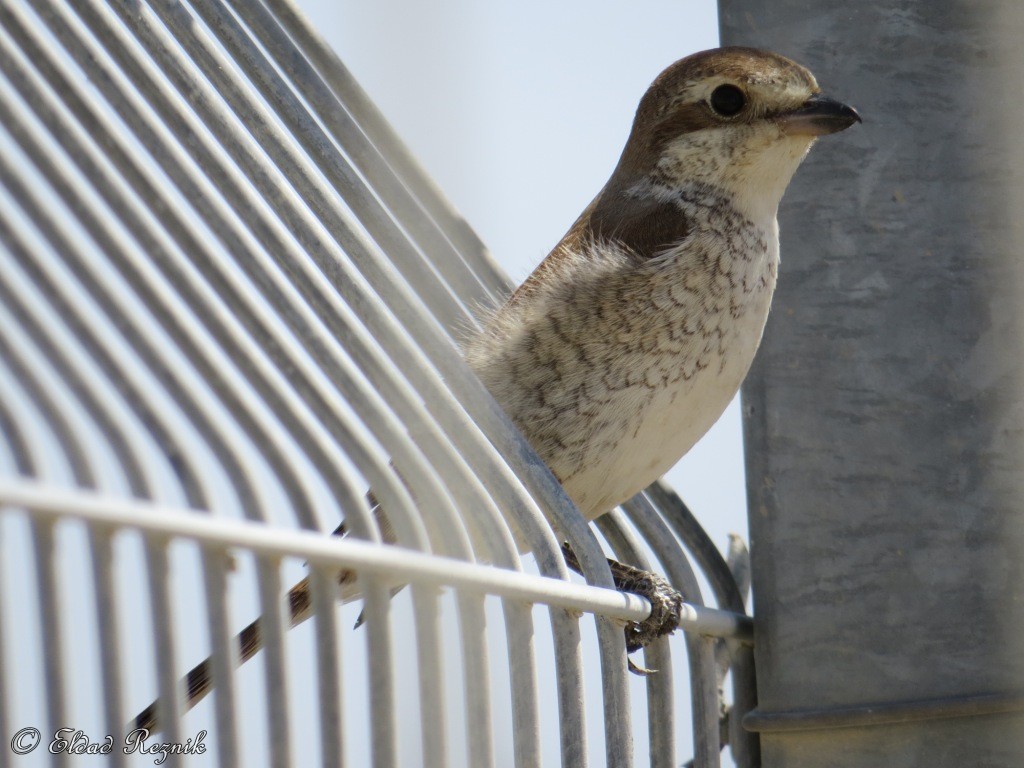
[[818, 116]]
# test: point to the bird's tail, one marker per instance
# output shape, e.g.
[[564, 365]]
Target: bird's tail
[[199, 681]]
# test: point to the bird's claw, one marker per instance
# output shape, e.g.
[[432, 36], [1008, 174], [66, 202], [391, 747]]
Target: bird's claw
[[666, 604], [637, 669]]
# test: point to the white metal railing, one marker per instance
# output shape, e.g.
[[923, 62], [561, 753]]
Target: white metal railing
[[228, 298]]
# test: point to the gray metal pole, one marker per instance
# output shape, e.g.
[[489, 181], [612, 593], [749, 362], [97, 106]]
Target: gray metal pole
[[885, 416]]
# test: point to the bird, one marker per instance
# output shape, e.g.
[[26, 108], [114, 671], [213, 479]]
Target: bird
[[628, 341]]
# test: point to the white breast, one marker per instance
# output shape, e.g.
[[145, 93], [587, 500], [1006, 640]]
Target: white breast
[[614, 369], [684, 389]]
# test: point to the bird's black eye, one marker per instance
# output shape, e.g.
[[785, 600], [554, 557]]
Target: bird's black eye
[[727, 100]]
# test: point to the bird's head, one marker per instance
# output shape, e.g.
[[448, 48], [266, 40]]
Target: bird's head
[[739, 120]]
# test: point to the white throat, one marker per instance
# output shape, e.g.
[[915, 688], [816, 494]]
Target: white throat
[[751, 166]]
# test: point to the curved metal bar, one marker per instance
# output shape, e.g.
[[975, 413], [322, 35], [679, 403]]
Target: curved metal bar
[[82, 411], [49, 621], [16, 445], [435, 503], [233, 454], [272, 629], [657, 656], [139, 389], [350, 499], [433, 713], [224, 653], [328, 645], [149, 33], [66, 369], [700, 649], [610, 643], [158, 573], [698, 543], [75, 428], [424, 237], [59, 286], [71, 425], [108, 621], [5, 702], [745, 746], [445, 535], [372, 123]]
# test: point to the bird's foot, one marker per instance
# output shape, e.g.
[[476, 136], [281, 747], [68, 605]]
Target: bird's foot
[[666, 603]]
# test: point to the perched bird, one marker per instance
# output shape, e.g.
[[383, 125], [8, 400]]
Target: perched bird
[[629, 340]]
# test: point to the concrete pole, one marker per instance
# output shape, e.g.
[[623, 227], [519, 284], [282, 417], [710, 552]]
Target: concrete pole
[[885, 416]]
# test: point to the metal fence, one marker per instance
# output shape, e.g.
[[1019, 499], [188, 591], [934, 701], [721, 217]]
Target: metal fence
[[228, 305]]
